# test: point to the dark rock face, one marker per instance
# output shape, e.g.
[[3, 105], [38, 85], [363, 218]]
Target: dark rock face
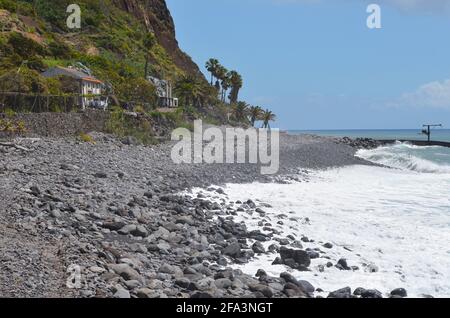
[[371, 293], [341, 293], [155, 15], [233, 250], [342, 265], [304, 286], [400, 292], [296, 259], [258, 248]]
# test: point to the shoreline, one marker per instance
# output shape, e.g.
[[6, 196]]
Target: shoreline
[[373, 248], [112, 210]]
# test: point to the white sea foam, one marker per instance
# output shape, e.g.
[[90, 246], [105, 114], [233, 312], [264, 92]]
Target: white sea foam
[[397, 220], [410, 157]]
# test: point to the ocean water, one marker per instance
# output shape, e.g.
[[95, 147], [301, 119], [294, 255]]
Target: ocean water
[[396, 221], [437, 134], [432, 159]]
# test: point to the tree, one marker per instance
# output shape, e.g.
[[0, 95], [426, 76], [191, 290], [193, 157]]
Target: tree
[[267, 117], [222, 80], [236, 85], [212, 66], [255, 113], [190, 91], [138, 92], [240, 111], [226, 84], [149, 43]]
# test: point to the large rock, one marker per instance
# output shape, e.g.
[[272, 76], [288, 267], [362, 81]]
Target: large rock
[[371, 293], [263, 289], [125, 271], [292, 290], [113, 225], [135, 230], [401, 292], [223, 283], [305, 286], [341, 293], [342, 265], [144, 293], [258, 248], [233, 250], [297, 259], [121, 293], [170, 269]]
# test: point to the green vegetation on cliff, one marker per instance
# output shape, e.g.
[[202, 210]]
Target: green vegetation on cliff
[[121, 42], [112, 42]]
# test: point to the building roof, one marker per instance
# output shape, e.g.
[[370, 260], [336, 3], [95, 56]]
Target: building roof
[[58, 70]]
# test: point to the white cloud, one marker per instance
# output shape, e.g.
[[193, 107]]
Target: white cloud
[[431, 95]]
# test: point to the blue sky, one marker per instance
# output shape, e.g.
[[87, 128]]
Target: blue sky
[[318, 66]]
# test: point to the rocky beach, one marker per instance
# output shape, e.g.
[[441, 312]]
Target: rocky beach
[[123, 217], [250, 166]]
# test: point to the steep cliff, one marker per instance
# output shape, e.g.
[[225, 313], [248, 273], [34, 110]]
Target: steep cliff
[[111, 40], [156, 17]]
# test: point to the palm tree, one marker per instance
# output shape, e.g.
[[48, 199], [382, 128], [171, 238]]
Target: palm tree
[[190, 91], [255, 113], [240, 111], [226, 84], [267, 117], [212, 66], [222, 80], [236, 85], [149, 43]]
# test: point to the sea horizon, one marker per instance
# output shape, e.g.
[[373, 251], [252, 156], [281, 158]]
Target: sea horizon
[[394, 134]]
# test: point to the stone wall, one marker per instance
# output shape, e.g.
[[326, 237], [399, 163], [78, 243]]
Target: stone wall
[[72, 124], [61, 124]]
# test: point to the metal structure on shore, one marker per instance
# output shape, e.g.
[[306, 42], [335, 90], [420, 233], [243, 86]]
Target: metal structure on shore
[[427, 131]]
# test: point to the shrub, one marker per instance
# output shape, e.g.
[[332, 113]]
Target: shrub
[[87, 138], [11, 126], [27, 81], [10, 112], [36, 64], [123, 125], [10, 5], [139, 109], [21, 127], [140, 92], [53, 12], [59, 49], [25, 47]]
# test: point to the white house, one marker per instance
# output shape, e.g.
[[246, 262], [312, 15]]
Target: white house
[[164, 93], [89, 86]]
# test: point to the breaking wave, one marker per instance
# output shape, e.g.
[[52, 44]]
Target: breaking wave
[[406, 156]]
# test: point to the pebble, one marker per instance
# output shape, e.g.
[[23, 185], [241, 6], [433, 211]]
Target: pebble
[[133, 237]]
